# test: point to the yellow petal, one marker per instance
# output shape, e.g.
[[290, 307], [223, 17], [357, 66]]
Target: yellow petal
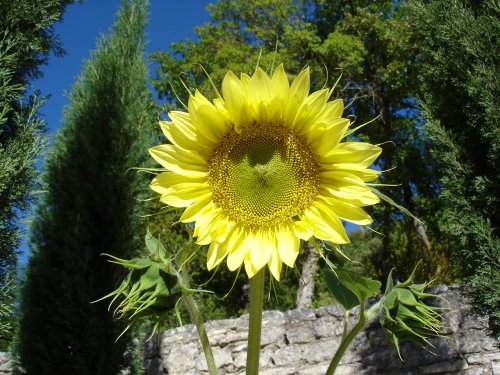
[[300, 85], [299, 89], [250, 268], [210, 124], [360, 153], [349, 212], [303, 230], [364, 174], [288, 245], [279, 83], [162, 182], [216, 254], [324, 139], [326, 225], [182, 137], [310, 111], [352, 194], [178, 160], [184, 195], [259, 89], [204, 226], [183, 125], [261, 249], [235, 98], [192, 212], [334, 109], [237, 249], [275, 264]]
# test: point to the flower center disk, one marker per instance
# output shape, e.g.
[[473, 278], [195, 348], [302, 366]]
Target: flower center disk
[[263, 175]]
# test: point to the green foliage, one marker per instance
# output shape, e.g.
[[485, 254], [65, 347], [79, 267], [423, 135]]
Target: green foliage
[[91, 206], [459, 66], [384, 84], [362, 287], [26, 40], [370, 42], [7, 320]]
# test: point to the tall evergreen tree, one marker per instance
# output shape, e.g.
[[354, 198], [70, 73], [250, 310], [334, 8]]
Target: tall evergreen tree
[[26, 40], [460, 66], [90, 207]]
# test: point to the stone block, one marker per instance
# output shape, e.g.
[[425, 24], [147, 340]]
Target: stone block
[[326, 326], [444, 348], [272, 335], [475, 370], [274, 317], [332, 310], [482, 358], [451, 321], [319, 352], [240, 358], [313, 370], [5, 362], [300, 335], [230, 337], [445, 366], [474, 341], [222, 357], [299, 315], [495, 367], [181, 358], [288, 355], [287, 370], [471, 320]]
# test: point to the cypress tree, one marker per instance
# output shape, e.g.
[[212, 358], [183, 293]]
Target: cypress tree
[[90, 207], [26, 40], [459, 66]]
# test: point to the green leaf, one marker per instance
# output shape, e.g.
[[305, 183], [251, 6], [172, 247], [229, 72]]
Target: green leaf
[[342, 294], [363, 287]]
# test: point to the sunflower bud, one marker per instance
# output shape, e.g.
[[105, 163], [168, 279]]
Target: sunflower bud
[[405, 316], [151, 287]]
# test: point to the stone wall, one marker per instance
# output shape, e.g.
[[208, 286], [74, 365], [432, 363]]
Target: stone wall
[[4, 363], [302, 342]]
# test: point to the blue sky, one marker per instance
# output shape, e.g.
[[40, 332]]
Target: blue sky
[[169, 21]]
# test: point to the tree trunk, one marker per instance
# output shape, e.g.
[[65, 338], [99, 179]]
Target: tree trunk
[[418, 225], [305, 293]]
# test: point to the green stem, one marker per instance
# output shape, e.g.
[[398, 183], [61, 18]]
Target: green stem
[[195, 315], [254, 326], [346, 324], [346, 340]]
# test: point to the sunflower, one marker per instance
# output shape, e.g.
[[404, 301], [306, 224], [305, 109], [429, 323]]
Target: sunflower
[[261, 167]]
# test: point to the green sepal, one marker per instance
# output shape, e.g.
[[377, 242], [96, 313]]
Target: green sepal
[[405, 316], [385, 198], [156, 249]]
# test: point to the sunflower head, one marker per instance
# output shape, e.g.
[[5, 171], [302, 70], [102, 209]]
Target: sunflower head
[[262, 167]]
